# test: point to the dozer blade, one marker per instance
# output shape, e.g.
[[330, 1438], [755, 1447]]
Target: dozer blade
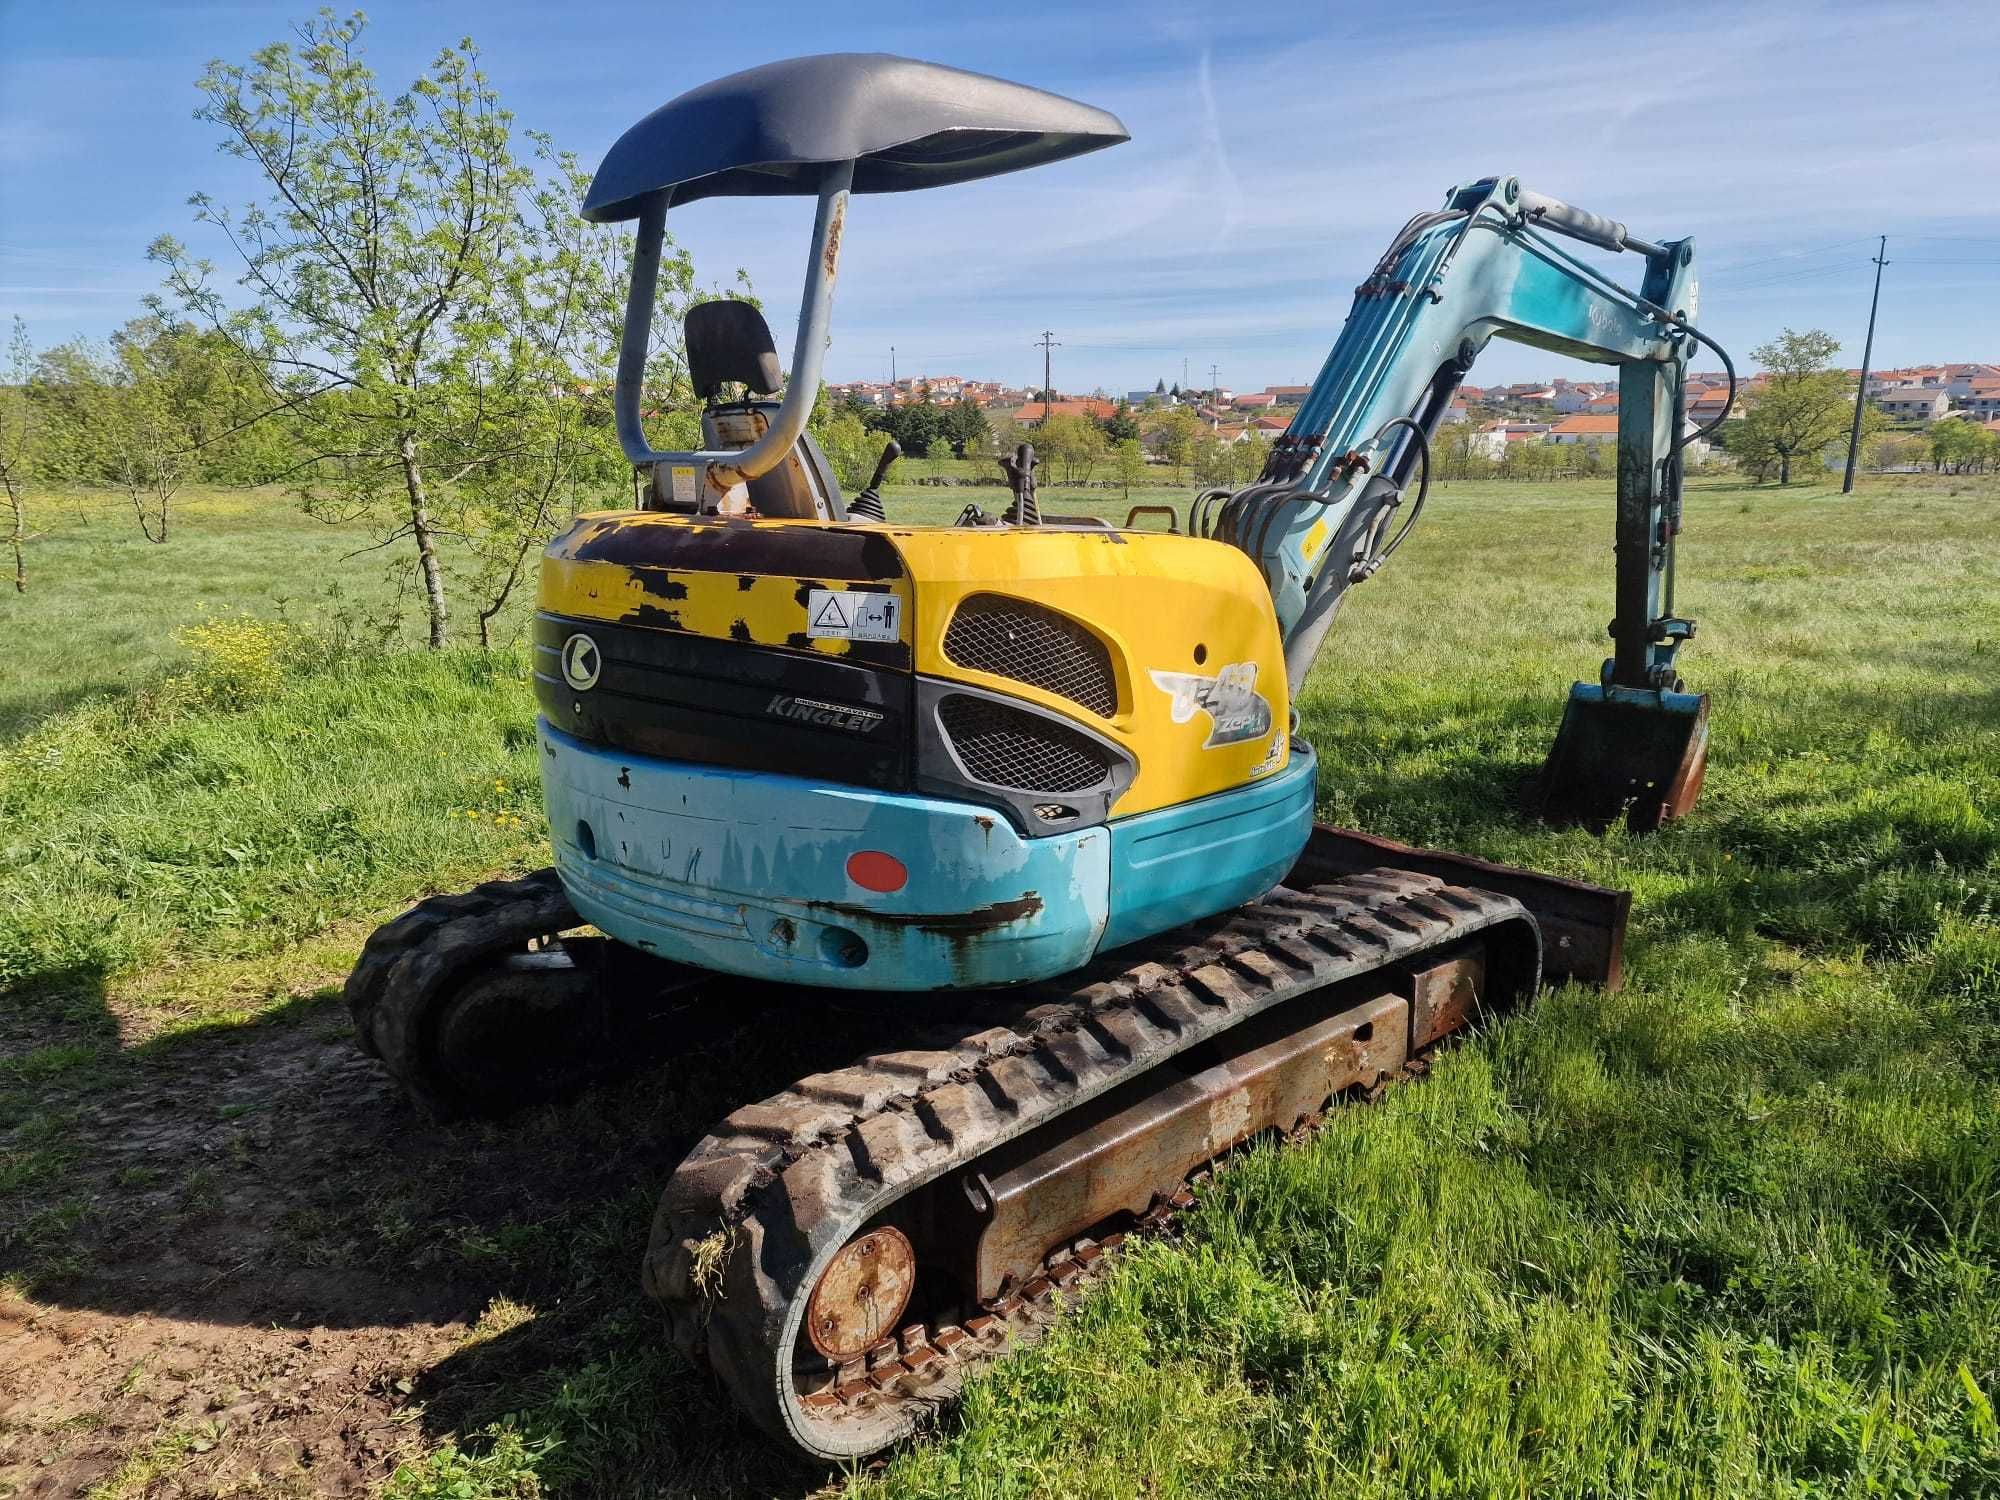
[[1625, 751]]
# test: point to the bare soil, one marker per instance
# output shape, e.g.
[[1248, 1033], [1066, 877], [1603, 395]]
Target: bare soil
[[257, 1268]]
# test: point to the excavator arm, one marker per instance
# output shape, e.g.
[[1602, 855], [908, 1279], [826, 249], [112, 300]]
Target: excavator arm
[[1323, 517]]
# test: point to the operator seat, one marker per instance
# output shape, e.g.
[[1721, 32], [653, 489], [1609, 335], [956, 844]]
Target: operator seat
[[728, 341]]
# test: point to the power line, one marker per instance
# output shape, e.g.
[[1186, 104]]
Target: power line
[[1047, 341], [1867, 355], [1744, 265]]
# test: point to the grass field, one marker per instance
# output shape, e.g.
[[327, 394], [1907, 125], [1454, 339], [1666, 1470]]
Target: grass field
[[1731, 1231]]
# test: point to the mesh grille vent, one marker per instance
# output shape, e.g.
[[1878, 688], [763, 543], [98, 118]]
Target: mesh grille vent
[[1013, 638], [1003, 746]]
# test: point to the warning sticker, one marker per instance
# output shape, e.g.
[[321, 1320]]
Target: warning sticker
[[853, 615], [683, 478]]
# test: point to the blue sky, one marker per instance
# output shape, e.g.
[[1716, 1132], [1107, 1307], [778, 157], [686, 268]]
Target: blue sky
[[1275, 150]]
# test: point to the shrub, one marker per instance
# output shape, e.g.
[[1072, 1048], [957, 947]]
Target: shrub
[[238, 659]]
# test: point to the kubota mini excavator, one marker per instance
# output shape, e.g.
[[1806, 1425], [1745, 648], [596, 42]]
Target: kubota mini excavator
[[1051, 762]]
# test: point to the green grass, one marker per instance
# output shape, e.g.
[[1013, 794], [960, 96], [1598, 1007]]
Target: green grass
[[1731, 1231]]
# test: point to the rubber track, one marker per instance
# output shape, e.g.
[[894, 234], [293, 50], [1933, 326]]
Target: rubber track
[[779, 1186], [409, 962]]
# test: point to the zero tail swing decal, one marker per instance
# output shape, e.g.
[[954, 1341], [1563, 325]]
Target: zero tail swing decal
[[1236, 710]]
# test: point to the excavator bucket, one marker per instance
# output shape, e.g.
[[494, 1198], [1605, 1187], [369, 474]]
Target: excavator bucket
[[1625, 751]]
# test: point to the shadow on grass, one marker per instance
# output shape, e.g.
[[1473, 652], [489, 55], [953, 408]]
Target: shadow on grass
[[268, 1175]]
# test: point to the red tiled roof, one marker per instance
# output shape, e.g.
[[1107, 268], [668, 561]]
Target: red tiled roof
[[1585, 421], [1035, 411]]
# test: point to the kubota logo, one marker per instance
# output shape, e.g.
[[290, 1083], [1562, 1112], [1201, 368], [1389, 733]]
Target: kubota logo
[[824, 715], [581, 662], [1235, 709]]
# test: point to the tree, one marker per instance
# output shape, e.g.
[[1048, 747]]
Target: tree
[[1130, 458], [417, 300], [915, 425], [966, 427], [848, 444], [1960, 446], [17, 445], [1073, 444], [1803, 407], [1121, 424], [137, 415], [1175, 438]]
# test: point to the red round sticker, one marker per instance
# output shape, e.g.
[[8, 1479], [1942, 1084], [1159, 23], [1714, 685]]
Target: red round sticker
[[873, 870]]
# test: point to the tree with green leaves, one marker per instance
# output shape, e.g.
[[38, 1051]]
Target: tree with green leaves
[[1961, 446], [1803, 407], [1072, 444], [1175, 438], [915, 425], [1129, 456], [426, 311], [1121, 424], [136, 415], [18, 434], [966, 427]]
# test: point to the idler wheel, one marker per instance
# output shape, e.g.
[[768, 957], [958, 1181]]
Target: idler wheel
[[862, 1295]]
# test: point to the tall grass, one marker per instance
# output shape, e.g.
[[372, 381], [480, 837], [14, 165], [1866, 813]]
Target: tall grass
[[1731, 1231]]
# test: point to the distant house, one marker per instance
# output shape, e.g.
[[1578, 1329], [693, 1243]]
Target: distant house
[[1586, 428], [1491, 440], [1254, 401], [1457, 411], [1963, 380], [1599, 405], [1288, 395], [1269, 425], [1573, 398], [1913, 403], [1708, 406], [1037, 412], [1981, 402], [1530, 391]]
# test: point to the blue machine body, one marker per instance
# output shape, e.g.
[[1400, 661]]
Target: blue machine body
[[686, 862]]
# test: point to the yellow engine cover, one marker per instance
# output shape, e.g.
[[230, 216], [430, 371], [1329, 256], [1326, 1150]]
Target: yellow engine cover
[[1202, 700]]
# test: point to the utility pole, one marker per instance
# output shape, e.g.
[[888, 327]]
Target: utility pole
[[1214, 385], [892, 367], [1047, 342], [1867, 354]]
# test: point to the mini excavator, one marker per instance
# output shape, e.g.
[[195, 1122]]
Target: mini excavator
[[1034, 782]]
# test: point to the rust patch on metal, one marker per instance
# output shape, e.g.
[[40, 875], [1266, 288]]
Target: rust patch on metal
[[1445, 998], [1134, 1147], [945, 923], [831, 260], [863, 1293]]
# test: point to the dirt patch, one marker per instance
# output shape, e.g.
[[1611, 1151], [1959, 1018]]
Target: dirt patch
[[239, 1259]]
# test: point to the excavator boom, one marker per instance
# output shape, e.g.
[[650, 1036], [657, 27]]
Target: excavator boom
[[1321, 517]]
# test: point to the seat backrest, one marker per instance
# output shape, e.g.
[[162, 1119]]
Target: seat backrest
[[728, 340]]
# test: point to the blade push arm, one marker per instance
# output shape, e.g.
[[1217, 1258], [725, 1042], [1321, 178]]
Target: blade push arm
[[1485, 266]]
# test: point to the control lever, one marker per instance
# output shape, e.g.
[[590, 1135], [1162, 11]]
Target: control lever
[[867, 506], [1020, 472]]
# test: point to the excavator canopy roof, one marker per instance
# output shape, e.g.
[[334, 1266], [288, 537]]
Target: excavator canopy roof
[[905, 124]]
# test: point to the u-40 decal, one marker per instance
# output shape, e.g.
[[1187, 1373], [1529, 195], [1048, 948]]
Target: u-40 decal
[[1236, 710]]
